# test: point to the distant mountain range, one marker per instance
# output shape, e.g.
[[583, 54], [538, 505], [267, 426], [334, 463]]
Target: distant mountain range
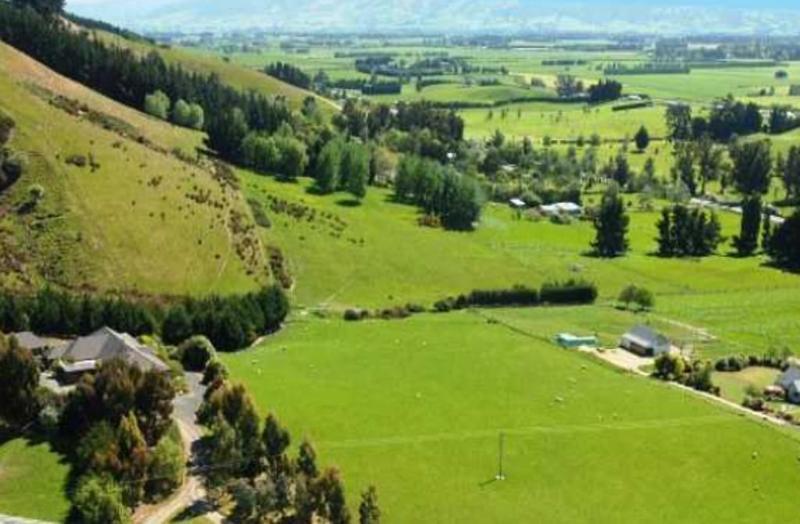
[[454, 16]]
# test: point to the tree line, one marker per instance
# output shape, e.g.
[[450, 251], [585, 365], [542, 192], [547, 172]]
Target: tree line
[[129, 78], [568, 292], [230, 322], [289, 74]]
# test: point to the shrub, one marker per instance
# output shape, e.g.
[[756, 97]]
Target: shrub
[[569, 292], [12, 166], [670, 367], [158, 105], [98, 500], [165, 470], [354, 315], [637, 295], [77, 160], [415, 308], [6, 126], [188, 115], [754, 403], [516, 296], [215, 372], [428, 220], [196, 353], [444, 305], [397, 312]]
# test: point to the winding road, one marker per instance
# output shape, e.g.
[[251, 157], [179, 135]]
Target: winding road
[[192, 494]]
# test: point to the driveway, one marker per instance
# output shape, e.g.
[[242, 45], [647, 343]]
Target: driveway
[[191, 496]]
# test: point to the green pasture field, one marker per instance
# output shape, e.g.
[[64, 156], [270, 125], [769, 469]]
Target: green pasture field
[[130, 225], [383, 258], [401, 261], [416, 408], [564, 121], [32, 481]]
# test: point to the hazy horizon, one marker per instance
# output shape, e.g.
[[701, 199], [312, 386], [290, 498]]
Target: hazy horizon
[[776, 17]]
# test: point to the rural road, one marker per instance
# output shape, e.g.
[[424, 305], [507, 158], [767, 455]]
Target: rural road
[[192, 493]]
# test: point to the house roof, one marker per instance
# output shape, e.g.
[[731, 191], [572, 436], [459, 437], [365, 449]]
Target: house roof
[[31, 341], [788, 377], [644, 336], [561, 207], [79, 367], [106, 344]]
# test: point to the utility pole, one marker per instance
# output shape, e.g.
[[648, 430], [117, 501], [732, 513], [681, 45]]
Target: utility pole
[[500, 475]]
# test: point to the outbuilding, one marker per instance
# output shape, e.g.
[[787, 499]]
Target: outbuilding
[[644, 341], [561, 208], [570, 341]]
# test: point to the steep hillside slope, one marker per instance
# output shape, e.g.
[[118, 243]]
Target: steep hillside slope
[[127, 205], [233, 75]]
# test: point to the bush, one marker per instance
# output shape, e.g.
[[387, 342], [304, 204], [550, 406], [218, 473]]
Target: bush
[[569, 292], [158, 105], [354, 315], [98, 500], [670, 367], [196, 353], [444, 305], [12, 166], [188, 115], [516, 296], [166, 469], [6, 126], [754, 403], [639, 296], [77, 160], [215, 372]]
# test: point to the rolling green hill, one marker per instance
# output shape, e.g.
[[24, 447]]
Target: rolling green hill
[[236, 76], [142, 216]]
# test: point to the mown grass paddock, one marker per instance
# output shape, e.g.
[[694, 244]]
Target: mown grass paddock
[[32, 480], [416, 407]]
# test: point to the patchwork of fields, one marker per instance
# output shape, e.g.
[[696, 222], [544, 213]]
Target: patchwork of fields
[[416, 406]]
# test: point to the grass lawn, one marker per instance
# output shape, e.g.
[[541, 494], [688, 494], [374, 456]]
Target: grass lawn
[[415, 407], [733, 384], [32, 481]]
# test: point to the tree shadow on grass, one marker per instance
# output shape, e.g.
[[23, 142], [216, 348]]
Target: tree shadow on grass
[[348, 202], [196, 509], [313, 189]]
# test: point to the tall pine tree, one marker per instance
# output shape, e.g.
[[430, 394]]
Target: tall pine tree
[[611, 225]]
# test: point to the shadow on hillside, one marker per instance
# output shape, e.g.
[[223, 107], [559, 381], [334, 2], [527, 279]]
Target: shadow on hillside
[[348, 202]]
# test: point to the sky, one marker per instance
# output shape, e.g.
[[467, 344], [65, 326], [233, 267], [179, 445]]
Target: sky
[[616, 16]]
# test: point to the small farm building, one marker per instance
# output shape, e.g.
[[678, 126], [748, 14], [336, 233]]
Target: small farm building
[[644, 341]]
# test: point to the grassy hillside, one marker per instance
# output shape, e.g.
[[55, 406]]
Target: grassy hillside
[[415, 407], [141, 220], [234, 75]]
